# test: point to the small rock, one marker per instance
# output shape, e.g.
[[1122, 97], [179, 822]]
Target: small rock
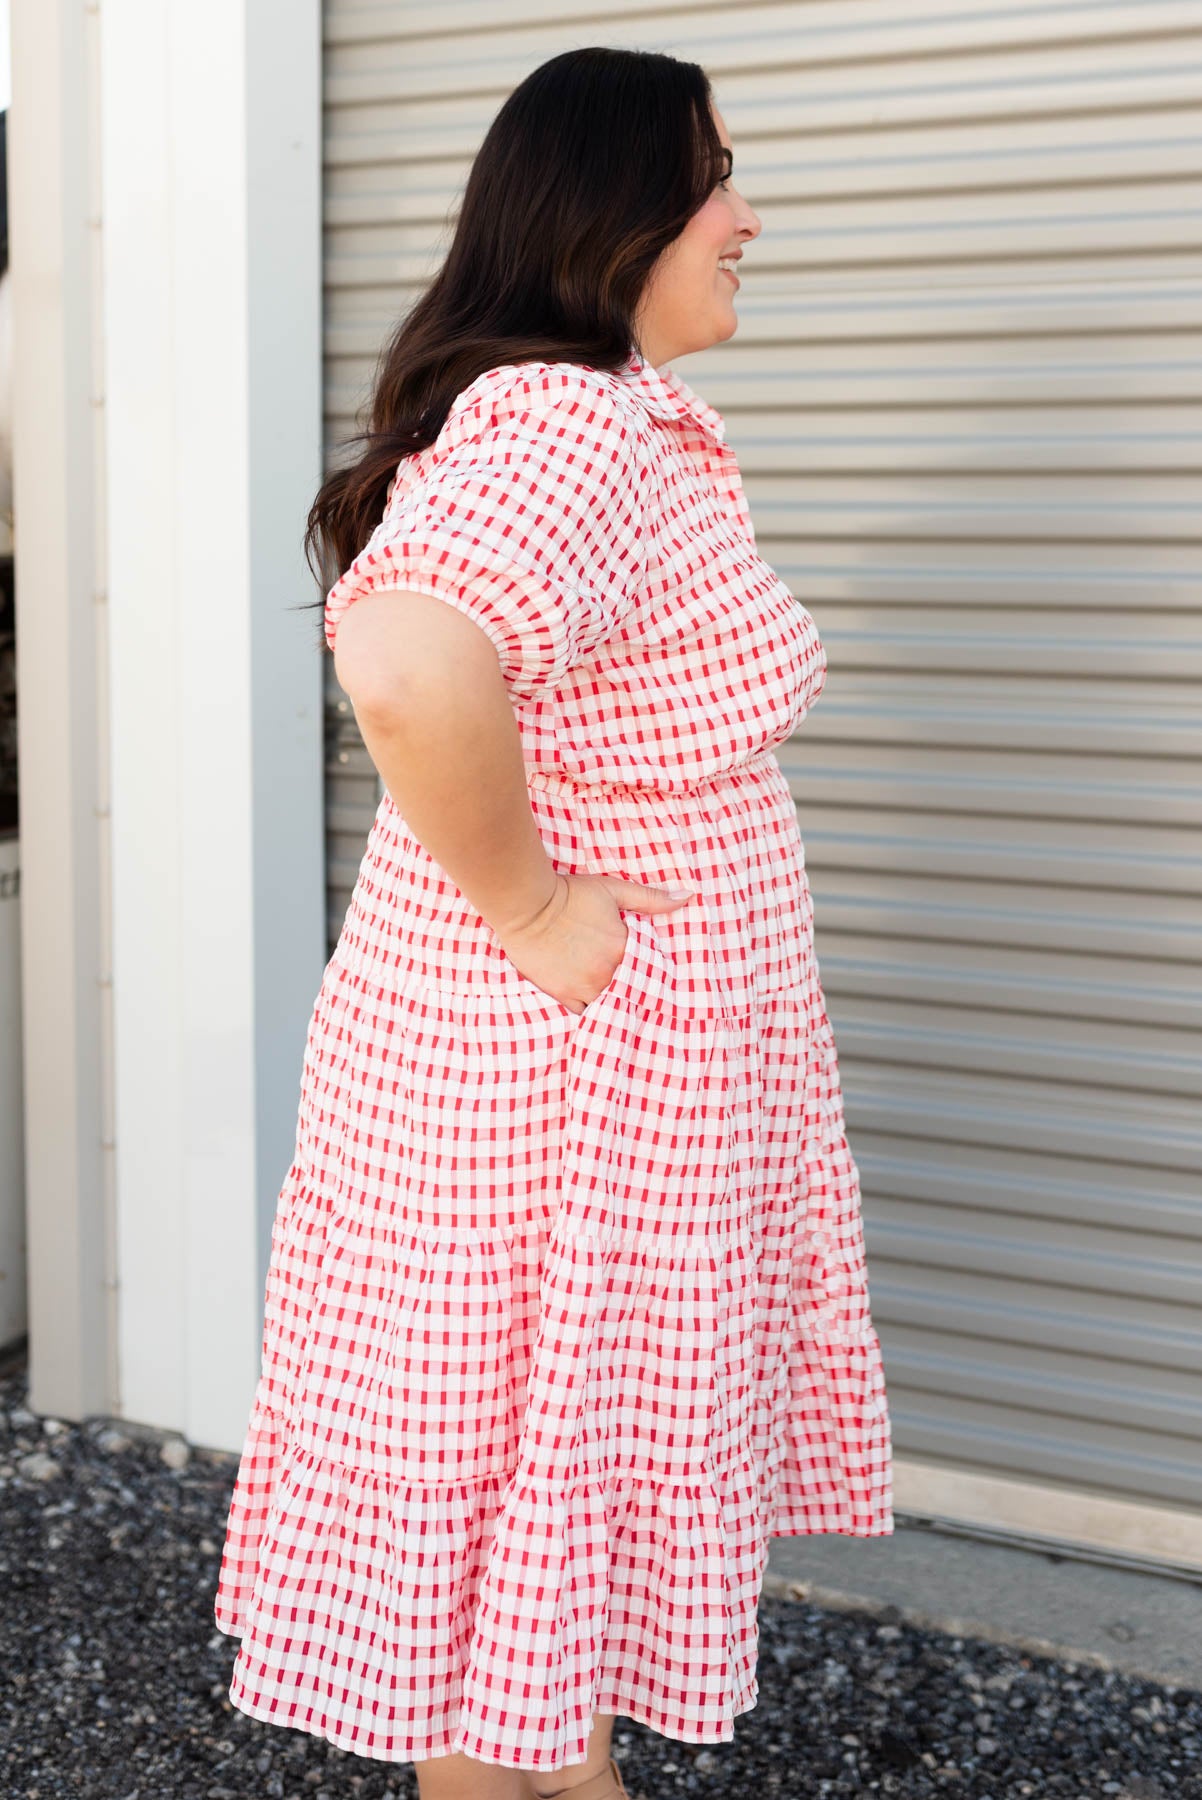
[[176, 1454], [111, 1442], [38, 1467], [54, 1427], [705, 1759], [20, 1417], [987, 1746], [207, 1547]]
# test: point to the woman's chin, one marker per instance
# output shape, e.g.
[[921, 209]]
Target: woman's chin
[[729, 326]]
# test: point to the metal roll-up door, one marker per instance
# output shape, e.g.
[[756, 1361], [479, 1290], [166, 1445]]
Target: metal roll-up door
[[964, 394]]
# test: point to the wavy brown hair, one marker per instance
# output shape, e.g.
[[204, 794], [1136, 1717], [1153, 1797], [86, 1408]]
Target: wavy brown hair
[[591, 168]]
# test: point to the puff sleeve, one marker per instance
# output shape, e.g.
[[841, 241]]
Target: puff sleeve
[[527, 514]]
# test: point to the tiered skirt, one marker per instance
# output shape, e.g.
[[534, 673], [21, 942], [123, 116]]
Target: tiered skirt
[[566, 1315]]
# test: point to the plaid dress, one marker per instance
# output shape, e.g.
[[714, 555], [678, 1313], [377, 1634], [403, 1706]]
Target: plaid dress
[[567, 1313]]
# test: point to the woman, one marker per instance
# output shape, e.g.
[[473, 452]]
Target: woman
[[567, 1311]]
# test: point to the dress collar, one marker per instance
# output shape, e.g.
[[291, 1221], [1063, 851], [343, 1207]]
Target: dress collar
[[663, 393]]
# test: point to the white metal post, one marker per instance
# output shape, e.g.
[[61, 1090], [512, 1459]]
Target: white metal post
[[211, 205]]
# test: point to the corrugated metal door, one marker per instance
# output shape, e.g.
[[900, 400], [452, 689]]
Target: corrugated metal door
[[965, 398]]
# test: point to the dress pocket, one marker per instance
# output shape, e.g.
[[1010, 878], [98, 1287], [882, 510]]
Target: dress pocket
[[637, 926]]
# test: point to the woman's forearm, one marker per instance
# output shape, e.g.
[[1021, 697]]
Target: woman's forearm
[[439, 726]]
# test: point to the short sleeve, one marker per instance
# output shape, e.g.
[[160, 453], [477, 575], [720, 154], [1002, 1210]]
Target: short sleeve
[[528, 514]]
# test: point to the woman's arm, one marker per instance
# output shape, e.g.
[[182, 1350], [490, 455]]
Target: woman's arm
[[432, 708]]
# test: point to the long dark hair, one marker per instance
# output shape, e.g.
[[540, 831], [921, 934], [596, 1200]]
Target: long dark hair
[[591, 168]]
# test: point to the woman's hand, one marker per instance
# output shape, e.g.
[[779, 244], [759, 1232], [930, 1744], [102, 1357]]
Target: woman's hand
[[571, 948]]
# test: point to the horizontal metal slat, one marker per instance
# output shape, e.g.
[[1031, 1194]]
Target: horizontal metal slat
[[1135, 719], [1079, 1259], [783, 309], [1035, 983], [983, 508], [1066, 577], [1052, 857], [835, 30], [1062, 1118], [1167, 648], [995, 1310], [953, 227], [351, 22], [1125, 145], [789, 95], [1015, 781], [888, 905], [1086, 451], [1127, 1057], [1045, 1382], [1020, 1182], [1122, 376], [1010, 1440]]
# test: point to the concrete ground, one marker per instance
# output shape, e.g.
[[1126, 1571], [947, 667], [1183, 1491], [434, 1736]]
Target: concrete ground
[[1141, 1623]]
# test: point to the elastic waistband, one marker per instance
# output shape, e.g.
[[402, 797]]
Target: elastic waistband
[[763, 762]]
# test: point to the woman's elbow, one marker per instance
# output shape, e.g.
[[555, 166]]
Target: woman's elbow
[[395, 643]]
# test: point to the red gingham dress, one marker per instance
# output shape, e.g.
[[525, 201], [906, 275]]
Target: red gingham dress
[[567, 1314]]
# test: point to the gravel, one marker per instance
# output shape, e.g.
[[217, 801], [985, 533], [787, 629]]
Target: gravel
[[115, 1678]]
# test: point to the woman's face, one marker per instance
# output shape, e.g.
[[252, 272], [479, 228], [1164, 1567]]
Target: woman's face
[[689, 301]]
